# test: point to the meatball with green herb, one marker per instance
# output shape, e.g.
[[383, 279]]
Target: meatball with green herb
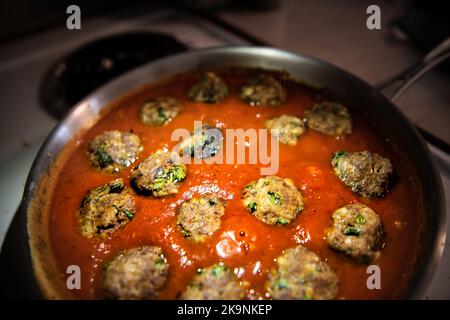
[[204, 142], [302, 275], [357, 231], [159, 175], [160, 111], [217, 282], [289, 128], [365, 173], [106, 208], [263, 90], [200, 217], [135, 274], [330, 118], [113, 151], [209, 89], [273, 200]]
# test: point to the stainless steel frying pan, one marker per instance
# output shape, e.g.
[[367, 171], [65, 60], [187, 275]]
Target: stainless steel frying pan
[[25, 253]]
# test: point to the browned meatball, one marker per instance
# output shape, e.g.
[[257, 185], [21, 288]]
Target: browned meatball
[[105, 209], [210, 89], [273, 200], [357, 231], [300, 274], [200, 217], [366, 173], [160, 111], [331, 118], [289, 128], [263, 90], [203, 143], [159, 175], [135, 274], [217, 282], [113, 151]]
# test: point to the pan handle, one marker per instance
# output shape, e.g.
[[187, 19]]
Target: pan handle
[[401, 82]]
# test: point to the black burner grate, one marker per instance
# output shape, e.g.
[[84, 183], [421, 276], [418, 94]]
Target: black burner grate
[[90, 66]]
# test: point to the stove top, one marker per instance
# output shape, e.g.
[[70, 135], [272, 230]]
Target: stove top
[[38, 86], [99, 61]]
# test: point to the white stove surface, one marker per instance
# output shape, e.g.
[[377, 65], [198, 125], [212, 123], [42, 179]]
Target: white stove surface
[[26, 125]]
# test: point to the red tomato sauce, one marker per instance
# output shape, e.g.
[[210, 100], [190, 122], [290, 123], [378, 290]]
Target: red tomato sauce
[[243, 242]]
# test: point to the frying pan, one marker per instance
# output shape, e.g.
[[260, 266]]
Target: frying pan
[[25, 257]]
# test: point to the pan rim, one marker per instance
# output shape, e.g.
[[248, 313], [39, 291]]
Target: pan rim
[[436, 229]]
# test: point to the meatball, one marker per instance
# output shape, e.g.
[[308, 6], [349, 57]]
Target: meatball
[[106, 208], [357, 231], [210, 89], [290, 128], [273, 200], [135, 274], [159, 175], [204, 142], [366, 173], [331, 118], [217, 282], [160, 111], [263, 90], [301, 274], [114, 150], [200, 217]]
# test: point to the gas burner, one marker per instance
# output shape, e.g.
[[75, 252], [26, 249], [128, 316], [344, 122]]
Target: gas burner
[[90, 66]]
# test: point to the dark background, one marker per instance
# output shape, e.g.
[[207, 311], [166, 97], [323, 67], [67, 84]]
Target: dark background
[[428, 21]]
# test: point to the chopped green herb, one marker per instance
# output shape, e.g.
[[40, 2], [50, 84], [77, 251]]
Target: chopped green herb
[[158, 184], [282, 221], [116, 186], [338, 155], [103, 158], [179, 173], [283, 284], [160, 261], [351, 231], [275, 198], [360, 219], [252, 206], [175, 174], [185, 233], [161, 118], [129, 214], [249, 186], [217, 270], [100, 191]]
